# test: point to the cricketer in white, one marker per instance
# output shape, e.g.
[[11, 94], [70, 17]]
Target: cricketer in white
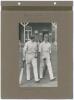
[[30, 56], [45, 52]]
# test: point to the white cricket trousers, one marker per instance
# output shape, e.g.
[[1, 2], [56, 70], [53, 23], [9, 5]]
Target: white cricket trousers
[[31, 60], [49, 67]]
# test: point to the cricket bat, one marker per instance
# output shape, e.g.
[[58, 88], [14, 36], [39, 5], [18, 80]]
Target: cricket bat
[[21, 74]]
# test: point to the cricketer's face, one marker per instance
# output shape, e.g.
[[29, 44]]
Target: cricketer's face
[[46, 37], [40, 36], [36, 37]]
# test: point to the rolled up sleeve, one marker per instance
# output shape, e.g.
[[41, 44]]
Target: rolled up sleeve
[[50, 48], [40, 48]]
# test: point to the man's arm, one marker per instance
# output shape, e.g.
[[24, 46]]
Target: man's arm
[[40, 45], [24, 51], [50, 51]]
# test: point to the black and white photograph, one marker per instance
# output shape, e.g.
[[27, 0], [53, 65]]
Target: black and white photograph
[[38, 54]]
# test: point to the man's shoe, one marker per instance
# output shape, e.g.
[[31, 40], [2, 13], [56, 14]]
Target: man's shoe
[[28, 80], [53, 79], [37, 81], [41, 77]]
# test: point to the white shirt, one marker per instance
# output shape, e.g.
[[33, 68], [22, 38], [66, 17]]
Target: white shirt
[[29, 48], [45, 49]]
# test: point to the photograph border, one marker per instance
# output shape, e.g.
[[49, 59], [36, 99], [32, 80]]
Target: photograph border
[[9, 49]]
